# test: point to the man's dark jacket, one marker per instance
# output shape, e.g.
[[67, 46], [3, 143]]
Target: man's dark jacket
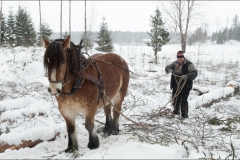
[[191, 75]]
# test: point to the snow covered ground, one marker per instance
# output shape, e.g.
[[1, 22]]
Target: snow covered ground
[[28, 112]]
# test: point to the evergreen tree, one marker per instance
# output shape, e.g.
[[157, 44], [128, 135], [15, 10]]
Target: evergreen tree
[[3, 29], [205, 36], [46, 32], [214, 37], [225, 35], [230, 34], [10, 36], [25, 32], [158, 34], [104, 38], [87, 40], [220, 38], [235, 26], [235, 21]]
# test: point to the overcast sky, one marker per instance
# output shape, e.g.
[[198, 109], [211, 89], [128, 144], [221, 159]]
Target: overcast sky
[[120, 15]]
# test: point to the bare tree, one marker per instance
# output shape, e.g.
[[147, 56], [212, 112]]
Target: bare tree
[[61, 20], [181, 14], [40, 22], [1, 24], [69, 17], [85, 33], [87, 36]]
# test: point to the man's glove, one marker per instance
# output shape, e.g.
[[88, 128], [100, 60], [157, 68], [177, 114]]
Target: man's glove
[[184, 77], [169, 71]]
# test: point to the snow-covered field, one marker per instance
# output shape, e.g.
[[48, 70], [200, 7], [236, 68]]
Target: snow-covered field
[[28, 112]]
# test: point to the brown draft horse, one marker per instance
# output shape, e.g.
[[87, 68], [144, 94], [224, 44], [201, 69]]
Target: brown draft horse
[[77, 93]]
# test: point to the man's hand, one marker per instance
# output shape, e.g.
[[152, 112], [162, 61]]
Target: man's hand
[[184, 77], [169, 71]]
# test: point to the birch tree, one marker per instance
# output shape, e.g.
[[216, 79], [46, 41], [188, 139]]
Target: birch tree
[[69, 17], [1, 23], [181, 14], [61, 20], [40, 23]]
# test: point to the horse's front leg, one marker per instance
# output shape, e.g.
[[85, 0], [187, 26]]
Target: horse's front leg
[[72, 136], [89, 124]]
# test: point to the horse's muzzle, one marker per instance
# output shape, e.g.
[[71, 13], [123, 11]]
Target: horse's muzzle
[[54, 92]]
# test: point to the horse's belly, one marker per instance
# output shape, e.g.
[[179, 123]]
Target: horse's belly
[[69, 106]]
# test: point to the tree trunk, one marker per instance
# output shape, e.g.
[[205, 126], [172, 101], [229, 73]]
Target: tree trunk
[[85, 28], [183, 44], [155, 55], [70, 17], [40, 27], [61, 20], [181, 13], [1, 24]]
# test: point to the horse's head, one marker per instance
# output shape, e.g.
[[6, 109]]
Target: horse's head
[[55, 63]]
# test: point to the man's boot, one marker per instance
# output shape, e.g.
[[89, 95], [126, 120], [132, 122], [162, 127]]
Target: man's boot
[[176, 112], [184, 110]]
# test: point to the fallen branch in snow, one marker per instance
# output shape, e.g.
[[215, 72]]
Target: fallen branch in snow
[[4, 146], [143, 126], [212, 97]]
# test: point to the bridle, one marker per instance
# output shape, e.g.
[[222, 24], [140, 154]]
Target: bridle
[[59, 81], [63, 80]]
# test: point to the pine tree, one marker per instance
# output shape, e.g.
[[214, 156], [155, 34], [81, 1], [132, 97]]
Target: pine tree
[[46, 32], [235, 25], [25, 32], [220, 37], [104, 38], [158, 34], [88, 40], [3, 29], [10, 36]]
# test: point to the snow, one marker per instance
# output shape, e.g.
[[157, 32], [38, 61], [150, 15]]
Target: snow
[[214, 95], [28, 112]]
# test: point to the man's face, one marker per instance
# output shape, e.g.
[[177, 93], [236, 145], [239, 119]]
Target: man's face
[[180, 60]]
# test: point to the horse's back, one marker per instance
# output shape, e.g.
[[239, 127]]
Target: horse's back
[[114, 70]]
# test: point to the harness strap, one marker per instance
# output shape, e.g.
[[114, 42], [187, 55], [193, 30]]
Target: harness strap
[[90, 78]]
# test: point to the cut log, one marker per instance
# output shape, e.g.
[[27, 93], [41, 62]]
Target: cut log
[[4, 146], [214, 96]]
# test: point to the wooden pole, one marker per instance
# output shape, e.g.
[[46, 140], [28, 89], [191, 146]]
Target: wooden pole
[[1, 24], [70, 18], [40, 42], [61, 20], [85, 28]]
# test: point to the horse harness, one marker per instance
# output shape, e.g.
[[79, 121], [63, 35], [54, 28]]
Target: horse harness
[[82, 75]]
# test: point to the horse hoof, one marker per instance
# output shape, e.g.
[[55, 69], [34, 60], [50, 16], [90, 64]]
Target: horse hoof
[[93, 146], [70, 150], [115, 132], [106, 132]]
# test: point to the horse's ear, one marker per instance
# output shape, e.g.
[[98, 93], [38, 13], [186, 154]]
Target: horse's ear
[[66, 42], [45, 42]]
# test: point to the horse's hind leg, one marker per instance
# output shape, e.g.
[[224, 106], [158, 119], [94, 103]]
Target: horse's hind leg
[[108, 125], [72, 137], [89, 124], [116, 114]]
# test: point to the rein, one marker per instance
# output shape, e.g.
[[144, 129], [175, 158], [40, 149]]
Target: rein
[[179, 89]]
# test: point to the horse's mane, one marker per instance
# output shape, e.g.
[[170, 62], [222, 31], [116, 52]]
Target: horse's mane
[[54, 56]]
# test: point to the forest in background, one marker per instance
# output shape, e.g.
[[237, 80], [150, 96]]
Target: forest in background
[[119, 37], [17, 29]]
